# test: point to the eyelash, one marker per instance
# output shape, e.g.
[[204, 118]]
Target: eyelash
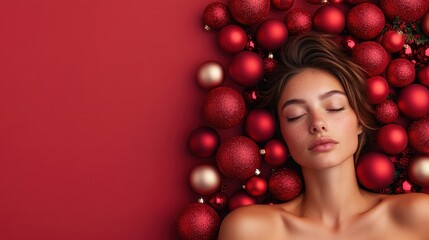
[[329, 110]]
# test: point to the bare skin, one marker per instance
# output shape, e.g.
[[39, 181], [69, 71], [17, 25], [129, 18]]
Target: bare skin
[[332, 206]]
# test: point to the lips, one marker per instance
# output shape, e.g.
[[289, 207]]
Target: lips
[[322, 144]]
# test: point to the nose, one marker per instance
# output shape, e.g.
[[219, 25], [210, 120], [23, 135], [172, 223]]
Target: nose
[[317, 124]]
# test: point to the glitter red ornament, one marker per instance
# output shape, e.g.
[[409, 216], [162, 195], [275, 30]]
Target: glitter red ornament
[[198, 221], [387, 111], [413, 101], [285, 184], [423, 75], [203, 142], [360, 1], [377, 89], [256, 186], [371, 56], [393, 41], [247, 68], [270, 64], [240, 199], [298, 21], [392, 138], [329, 19], [365, 21], [375, 171], [419, 170], [400, 72], [260, 125], [232, 39], [210, 74], [271, 34], [425, 24], [215, 16], [275, 152], [249, 12], [406, 10], [282, 5], [418, 134]]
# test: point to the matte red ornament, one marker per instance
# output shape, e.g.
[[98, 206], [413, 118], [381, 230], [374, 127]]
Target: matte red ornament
[[260, 125], [210, 74], [413, 101], [215, 16], [275, 152], [371, 56], [198, 221], [418, 134], [387, 111], [423, 75], [285, 184], [377, 89], [203, 142], [238, 157], [418, 170], [393, 41], [270, 64], [375, 171], [425, 24], [406, 10], [232, 39], [365, 21], [400, 72], [256, 186], [224, 107], [329, 19], [282, 5], [392, 139], [219, 201], [240, 199], [271, 34], [298, 21], [247, 68], [249, 12]]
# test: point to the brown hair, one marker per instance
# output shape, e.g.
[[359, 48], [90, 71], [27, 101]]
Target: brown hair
[[319, 51]]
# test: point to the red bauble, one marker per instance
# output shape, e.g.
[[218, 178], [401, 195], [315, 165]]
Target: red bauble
[[203, 142], [282, 5], [232, 39], [256, 186], [317, 1], [335, 1], [329, 19], [240, 199], [425, 24], [419, 171], [250, 96], [360, 1], [387, 111], [249, 12], [393, 41], [371, 56], [298, 21], [198, 221], [413, 101], [247, 68], [260, 125], [216, 15], [377, 89], [418, 134], [224, 107], [349, 43], [270, 64], [392, 138], [365, 21], [275, 152], [219, 201], [406, 10], [423, 75], [271, 34], [238, 157], [375, 171], [285, 184], [210, 74], [400, 72]]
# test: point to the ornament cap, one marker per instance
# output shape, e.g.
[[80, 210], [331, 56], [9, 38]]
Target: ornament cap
[[200, 200], [257, 172], [262, 151], [207, 28]]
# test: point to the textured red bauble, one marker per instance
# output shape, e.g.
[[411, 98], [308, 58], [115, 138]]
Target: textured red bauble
[[365, 21], [329, 19], [249, 12], [392, 138], [360, 1], [393, 41], [240, 199], [232, 39], [425, 24], [238, 157], [377, 89], [371, 56], [198, 221], [260, 125], [282, 5], [271, 34], [418, 134], [270, 64], [335, 1], [406, 10], [247, 68], [210, 74], [423, 75], [223, 107], [256, 186], [203, 142], [298, 21], [285, 184], [275, 152], [400, 72], [418, 170], [216, 15], [387, 111], [219, 201], [204, 179], [375, 171], [413, 101]]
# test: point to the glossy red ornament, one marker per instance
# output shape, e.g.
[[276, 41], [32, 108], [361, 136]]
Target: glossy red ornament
[[215, 16], [413, 101], [256, 186], [204, 179], [387, 111], [203, 142], [349, 42], [365, 21], [249, 12], [238, 157], [260, 125], [198, 221], [377, 89], [393, 41], [335, 1], [275, 152], [298, 21], [329, 19], [250, 96], [392, 138], [232, 39], [425, 24], [371, 56], [247, 68], [375, 170], [270, 64], [285, 184], [282, 5], [219, 201], [210, 74], [406, 10], [418, 134], [271, 34], [418, 170], [400, 72], [240, 199], [423, 75], [223, 107]]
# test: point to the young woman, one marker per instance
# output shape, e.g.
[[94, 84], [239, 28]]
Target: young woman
[[318, 96]]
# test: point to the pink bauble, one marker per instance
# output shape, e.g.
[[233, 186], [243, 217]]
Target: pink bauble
[[204, 179], [223, 107], [249, 12], [256, 186], [365, 21], [247, 68], [260, 125], [271, 34], [392, 138], [406, 10], [198, 221], [210, 74], [232, 39], [216, 15], [393, 41], [377, 89], [275, 152], [282, 5], [371, 56], [240, 199], [285, 184], [413, 101], [238, 157], [203, 142], [423, 75], [298, 21], [418, 170], [375, 171], [400, 72], [329, 19], [387, 111], [425, 24], [418, 134]]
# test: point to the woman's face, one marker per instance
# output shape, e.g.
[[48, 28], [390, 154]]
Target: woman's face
[[316, 120]]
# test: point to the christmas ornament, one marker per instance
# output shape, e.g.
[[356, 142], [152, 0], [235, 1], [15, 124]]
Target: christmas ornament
[[392, 138], [203, 142], [249, 12], [360, 1], [223, 107], [282, 5], [256, 186], [406, 10], [260, 125], [250, 96], [238, 157], [375, 171], [371, 56], [240, 199], [210, 74], [247, 68], [232, 39], [425, 24], [387, 111], [215, 16], [285, 184], [349, 43], [419, 170], [377, 89], [423, 75], [413, 101], [418, 134], [219, 201], [335, 1], [317, 1], [329, 19], [198, 221], [275, 152], [400, 72], [298, 21], [271, 34], [393, 41], [204, 179], [269, 64], [365, 21]]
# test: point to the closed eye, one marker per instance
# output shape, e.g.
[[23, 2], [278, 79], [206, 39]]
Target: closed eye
[[294, 118], [335, 109]]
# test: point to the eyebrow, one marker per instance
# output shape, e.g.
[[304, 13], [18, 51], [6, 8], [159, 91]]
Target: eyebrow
[[321, 97]]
